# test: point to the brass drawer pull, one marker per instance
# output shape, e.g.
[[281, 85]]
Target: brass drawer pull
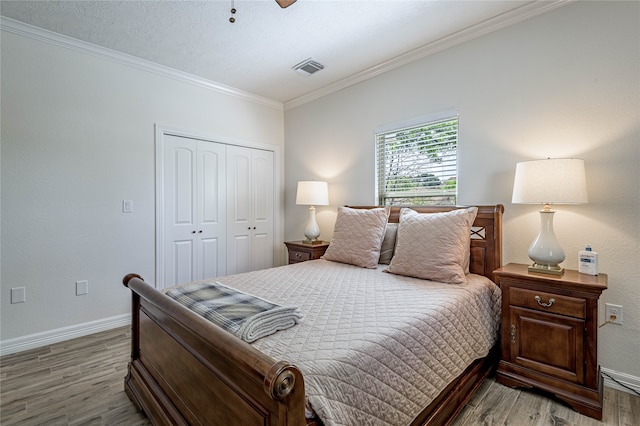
[[545, 305], [298, 255]]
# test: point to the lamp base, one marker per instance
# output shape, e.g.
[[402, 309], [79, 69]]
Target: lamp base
[[312, 242], [546, 269], [545, 251]]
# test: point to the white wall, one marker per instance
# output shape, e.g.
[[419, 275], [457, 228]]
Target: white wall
[[77, 139], [563, 84]]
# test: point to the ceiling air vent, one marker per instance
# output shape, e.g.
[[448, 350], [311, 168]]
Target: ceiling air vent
[[308, 67]]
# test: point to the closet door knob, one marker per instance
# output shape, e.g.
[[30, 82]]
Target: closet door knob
[[200, 231], [193, 232]]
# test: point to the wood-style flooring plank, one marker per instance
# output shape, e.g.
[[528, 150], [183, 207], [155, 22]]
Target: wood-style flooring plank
[[560, 414], [628, 409], [619, 408], [528, 410], [77, 382], [468, 411], [495, 407], [610, 411]]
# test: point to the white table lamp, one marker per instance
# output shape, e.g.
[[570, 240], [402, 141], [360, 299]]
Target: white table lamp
[[312, 193], [551, 181]]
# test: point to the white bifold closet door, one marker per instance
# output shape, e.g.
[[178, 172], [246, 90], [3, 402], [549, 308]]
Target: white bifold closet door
[[195, 225], [250, 217], [217, 210]]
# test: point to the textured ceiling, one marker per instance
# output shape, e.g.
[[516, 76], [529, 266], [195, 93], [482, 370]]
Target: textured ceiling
[[255, 54]]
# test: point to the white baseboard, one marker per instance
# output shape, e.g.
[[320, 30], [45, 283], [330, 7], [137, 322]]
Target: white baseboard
[[37, 340], [620, 381]]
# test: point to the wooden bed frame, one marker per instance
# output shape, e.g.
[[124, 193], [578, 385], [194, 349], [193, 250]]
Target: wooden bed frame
[[186, 370]]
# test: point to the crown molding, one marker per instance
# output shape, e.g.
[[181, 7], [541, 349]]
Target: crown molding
[[40, 34], [506, 19]]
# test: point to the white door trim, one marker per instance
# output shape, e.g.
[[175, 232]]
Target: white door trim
[[278, 232]]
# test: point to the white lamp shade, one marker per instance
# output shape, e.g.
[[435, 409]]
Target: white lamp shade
[[551, 181], [312, 193]]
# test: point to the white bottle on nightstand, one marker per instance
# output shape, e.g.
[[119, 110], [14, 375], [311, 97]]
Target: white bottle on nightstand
[[588, 261]]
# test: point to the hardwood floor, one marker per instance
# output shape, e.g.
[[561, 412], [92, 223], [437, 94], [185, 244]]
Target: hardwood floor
[[77, 382], [80, 382], [494, 404]]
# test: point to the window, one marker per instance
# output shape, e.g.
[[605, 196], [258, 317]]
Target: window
[[417, 161]]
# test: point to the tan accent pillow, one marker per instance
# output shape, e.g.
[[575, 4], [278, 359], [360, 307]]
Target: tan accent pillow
[[433, 246], [357, 236], [388, 243]]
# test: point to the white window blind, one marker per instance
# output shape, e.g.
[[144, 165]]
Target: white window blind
[[417, 164]]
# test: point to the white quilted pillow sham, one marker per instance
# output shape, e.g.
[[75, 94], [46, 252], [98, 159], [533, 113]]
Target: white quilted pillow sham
[[433, 246], [357, 236]]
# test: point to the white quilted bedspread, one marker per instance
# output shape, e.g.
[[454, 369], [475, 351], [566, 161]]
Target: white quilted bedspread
[[375, 348]]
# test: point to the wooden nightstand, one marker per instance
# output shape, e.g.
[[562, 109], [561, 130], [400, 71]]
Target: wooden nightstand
[[299, 251], [549, 334]]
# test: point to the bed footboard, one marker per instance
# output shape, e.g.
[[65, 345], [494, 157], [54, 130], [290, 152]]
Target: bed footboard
[[186, 370]]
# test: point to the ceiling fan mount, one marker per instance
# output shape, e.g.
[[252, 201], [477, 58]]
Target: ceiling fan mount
[[282, 3], [285, 3]]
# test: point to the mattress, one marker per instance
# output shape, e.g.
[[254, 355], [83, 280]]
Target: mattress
[[374, 348]]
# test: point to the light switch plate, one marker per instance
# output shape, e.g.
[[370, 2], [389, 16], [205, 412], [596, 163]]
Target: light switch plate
[[82, 287], [18, 295], [127, 206]]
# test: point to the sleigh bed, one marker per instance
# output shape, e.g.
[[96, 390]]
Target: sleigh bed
[[186, 370]]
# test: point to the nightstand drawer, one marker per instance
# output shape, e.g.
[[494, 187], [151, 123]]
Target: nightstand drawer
[[299, 251], [548, 302], [298, 256]]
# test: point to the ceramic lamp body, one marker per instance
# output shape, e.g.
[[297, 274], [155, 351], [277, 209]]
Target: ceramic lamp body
[[545, 251], [312, 231]]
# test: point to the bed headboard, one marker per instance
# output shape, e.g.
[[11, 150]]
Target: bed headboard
[[486, 234]]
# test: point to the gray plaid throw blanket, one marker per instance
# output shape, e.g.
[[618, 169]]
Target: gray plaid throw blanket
[[244, 315]]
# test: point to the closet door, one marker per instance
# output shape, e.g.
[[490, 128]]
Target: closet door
[[250, 218], [211, 211], [262, 209], [194, 211]]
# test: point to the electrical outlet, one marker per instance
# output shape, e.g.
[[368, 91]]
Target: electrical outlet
[[613, 313]]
